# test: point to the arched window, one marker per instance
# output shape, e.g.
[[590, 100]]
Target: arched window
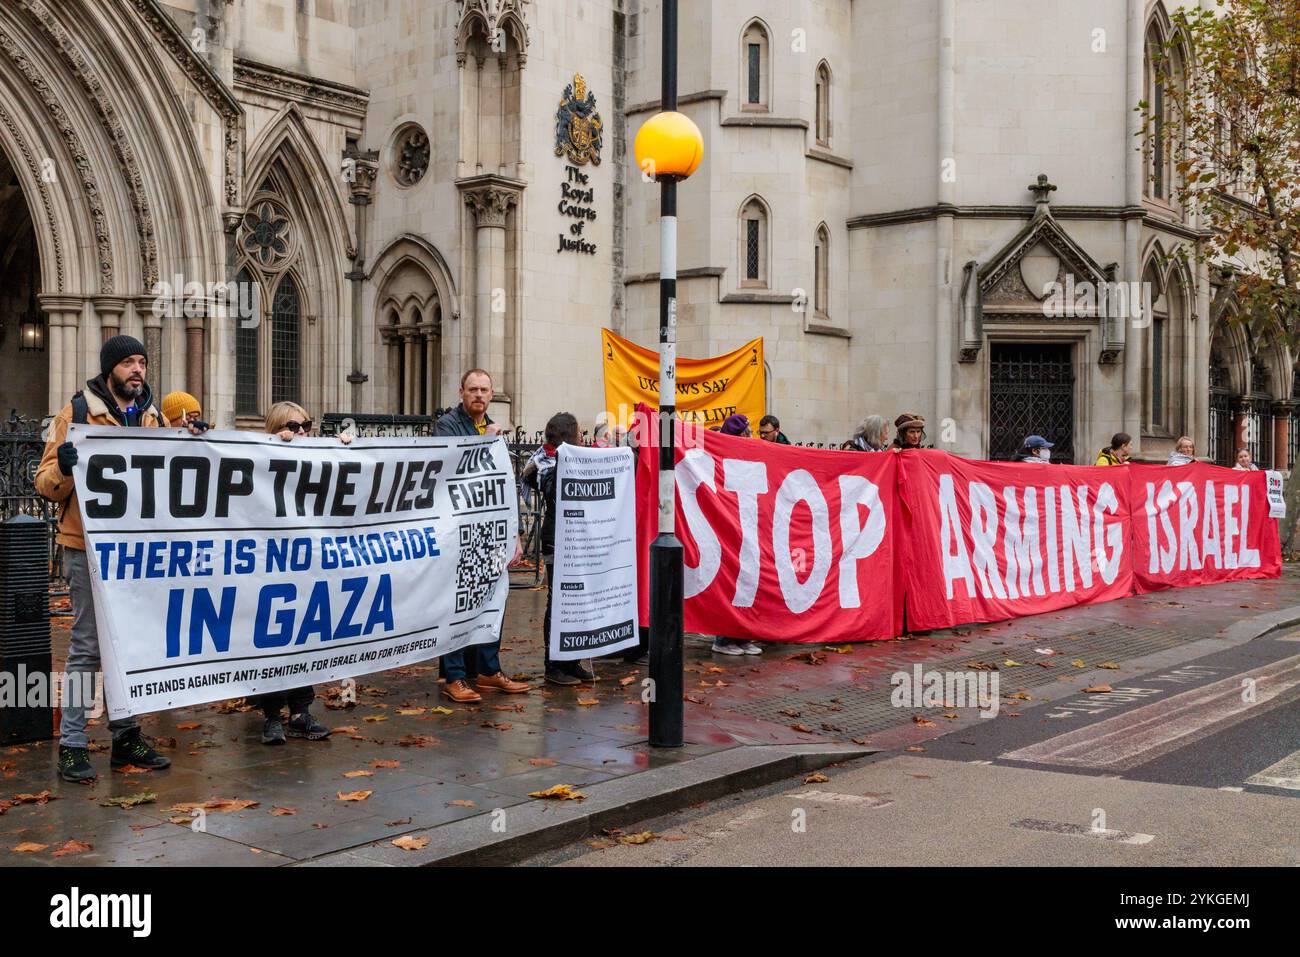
[[1156, 393], [417, 388], [285, 331], [1167, 339], [823, 120], [753, 244], [1155, 98], [755, 70], [410, 330], [821, 272], [1162, 64], [248, 353]]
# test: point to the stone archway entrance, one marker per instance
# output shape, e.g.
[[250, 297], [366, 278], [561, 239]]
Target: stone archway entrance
[[24, 368]]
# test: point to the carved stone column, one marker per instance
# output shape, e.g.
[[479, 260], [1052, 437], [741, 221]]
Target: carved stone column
[[360, 169], [432, 373], [1240, 419], [410, 352], [195, 331], [490, 204], [66, 361], [1281, 434], [90, 338], [54, 350], [152, 324], [109, 311]]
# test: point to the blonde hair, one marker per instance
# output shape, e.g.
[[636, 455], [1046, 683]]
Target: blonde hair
[[280, 413]]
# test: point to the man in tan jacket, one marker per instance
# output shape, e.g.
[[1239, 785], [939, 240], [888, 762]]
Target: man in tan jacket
[[118, 396]]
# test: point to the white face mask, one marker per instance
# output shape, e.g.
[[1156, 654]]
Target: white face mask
[[1043, 453]]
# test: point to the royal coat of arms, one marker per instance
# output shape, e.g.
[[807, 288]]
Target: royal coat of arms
[[578, 127]]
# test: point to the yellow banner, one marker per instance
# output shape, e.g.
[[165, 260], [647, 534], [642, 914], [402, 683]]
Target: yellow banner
[[708, 390]]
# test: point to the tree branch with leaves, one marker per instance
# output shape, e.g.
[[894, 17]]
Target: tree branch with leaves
[[1230, 84]]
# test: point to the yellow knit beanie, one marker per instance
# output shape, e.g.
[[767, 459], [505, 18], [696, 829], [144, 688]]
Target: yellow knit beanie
[[176, 405]]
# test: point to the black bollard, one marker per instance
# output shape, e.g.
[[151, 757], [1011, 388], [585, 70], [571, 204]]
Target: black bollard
[[25, 648]]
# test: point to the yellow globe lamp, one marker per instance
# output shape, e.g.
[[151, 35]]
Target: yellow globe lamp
[[669, 144]]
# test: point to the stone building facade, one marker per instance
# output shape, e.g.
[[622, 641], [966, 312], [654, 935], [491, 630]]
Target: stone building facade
[[349, 202]]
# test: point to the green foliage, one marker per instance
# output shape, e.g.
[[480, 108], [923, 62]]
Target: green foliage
[[1231, 84]]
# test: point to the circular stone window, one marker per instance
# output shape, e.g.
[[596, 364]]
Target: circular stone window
[[267, 234], [410, 155]]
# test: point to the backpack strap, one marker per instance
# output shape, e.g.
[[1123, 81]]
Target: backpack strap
[[80, 408]]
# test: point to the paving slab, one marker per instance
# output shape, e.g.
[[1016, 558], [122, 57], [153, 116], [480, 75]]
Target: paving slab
[[746, 720]]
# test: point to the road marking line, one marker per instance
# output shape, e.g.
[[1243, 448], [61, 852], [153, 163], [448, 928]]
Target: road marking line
[[1284, 774], [981, 762], [1084, 830], [1149, 731], [834, 797], [1233, 790]]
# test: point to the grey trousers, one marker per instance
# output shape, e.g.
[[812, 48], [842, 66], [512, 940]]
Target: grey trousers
[[83, 655]]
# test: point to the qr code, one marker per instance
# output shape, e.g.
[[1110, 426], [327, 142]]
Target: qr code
[[482, 560]]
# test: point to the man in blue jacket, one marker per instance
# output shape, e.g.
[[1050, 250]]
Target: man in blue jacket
[[471, 418]]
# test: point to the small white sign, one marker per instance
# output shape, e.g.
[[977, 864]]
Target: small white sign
[[1276, 503], [593, 602]]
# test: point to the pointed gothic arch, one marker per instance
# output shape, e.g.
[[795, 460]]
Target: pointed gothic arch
[[755, 87], [289, 173], [414, 296], [85, 95], [822, 105], [821, 272], [1160, 42], [754, 242]]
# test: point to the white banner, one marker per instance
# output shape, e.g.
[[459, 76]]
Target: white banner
[[593, 597], [237, 563]]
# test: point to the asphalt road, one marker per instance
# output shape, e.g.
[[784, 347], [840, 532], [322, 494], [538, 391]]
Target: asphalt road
[[1194, 764]]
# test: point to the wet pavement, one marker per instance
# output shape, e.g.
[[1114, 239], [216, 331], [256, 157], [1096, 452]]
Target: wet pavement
[[408, 765]]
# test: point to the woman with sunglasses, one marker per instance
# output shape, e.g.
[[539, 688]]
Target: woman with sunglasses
[[288, 420]]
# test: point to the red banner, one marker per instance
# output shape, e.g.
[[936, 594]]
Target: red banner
[[805, 545], [1198, 524], [780, 542], [984, 541]]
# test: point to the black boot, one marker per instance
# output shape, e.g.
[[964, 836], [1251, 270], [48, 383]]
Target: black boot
[[305, 726], [74, 764], [132, 748]]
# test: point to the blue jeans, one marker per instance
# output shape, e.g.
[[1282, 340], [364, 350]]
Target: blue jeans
[[83, 654], [487, 659]]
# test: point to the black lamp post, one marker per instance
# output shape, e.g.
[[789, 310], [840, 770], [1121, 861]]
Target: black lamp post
[[669, 147]]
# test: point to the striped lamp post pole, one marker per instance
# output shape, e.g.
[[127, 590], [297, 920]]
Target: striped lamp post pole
[[669, 147]]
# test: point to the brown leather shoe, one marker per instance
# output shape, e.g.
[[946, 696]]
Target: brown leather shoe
[[499, 682], [460, 692]]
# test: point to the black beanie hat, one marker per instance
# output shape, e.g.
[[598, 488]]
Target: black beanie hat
[[117, 349]]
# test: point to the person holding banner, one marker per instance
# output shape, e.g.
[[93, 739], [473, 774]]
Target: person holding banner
[[1118, 452], [871, 436], [288, 420], [118, 396], [909, 431], [1184, 452], [471, 418], [769, 430], [1036, 450], [737, 425], [1244, 464], [181, 408], [541, 474]]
